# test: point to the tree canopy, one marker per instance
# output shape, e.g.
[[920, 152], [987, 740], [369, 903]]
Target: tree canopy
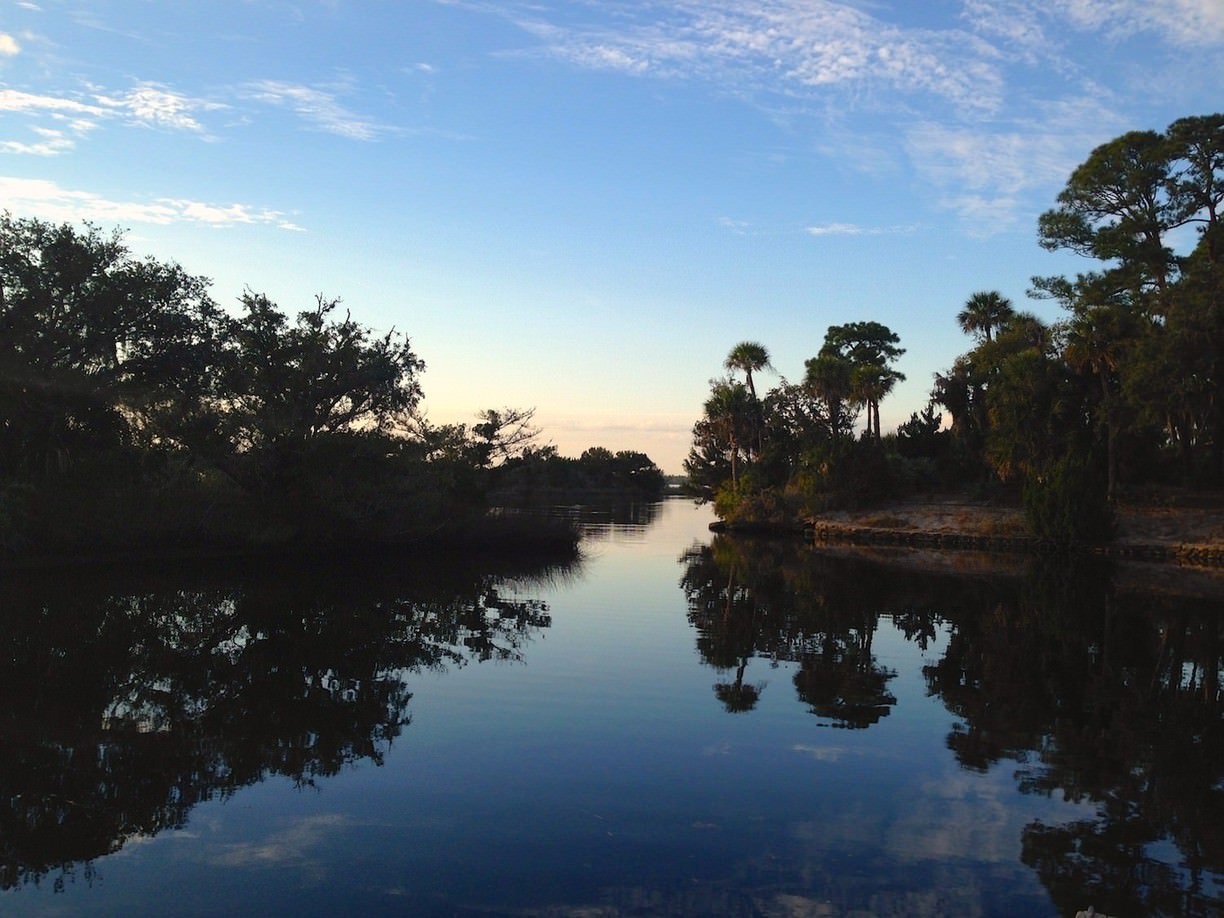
[[135, 412], [1122, 391]]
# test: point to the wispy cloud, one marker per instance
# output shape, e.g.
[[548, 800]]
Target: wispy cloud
[[12, 100], [853, 229], [8, 45], [1002, 59], [145, 104], [984, 173], [1034, 24], [1183, 22], [52, 143], [153, 105], [50, 201], [791, 47], [319, 107]]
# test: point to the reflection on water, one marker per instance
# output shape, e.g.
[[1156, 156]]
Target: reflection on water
[[126, 704], [1107, 699], [792, 731], [745, 604], [603, 520]]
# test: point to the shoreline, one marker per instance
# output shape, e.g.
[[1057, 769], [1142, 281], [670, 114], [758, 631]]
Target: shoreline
[[1164, 534]]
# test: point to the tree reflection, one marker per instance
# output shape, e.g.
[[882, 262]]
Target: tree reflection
[[1111, 700], [773, 602], [1108, 696], [123, 706]]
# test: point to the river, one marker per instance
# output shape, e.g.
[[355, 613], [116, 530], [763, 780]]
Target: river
[[681, 724]]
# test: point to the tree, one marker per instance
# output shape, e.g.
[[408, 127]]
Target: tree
[[721, 438], [830, 377], [1117, 207], [984, 312], [97, 349], [748, 357], [1122, 206], [869, 349], [286, 386], [503, 434], [1096, 341]]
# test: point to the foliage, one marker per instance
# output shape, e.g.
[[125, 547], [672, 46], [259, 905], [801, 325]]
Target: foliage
[[1069, 504], [136, 413], [770, 460], [96, 346], [861, 354], [540, 473]]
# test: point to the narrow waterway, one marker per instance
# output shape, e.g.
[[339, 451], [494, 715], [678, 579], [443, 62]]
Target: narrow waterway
[[680, 724]]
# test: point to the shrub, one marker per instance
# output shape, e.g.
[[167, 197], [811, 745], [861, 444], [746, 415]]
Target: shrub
[[1069, 504]]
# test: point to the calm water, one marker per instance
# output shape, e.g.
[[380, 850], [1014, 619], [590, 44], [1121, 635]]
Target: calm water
[[679, 725]]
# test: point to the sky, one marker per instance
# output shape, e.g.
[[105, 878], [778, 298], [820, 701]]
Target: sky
[[581, 207]]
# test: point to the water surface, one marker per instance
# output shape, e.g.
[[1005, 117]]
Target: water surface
[[681, 724]]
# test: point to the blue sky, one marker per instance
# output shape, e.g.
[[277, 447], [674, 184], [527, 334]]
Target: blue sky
[[582, 206]]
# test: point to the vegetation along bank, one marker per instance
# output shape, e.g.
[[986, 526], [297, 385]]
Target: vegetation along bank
[[1114, 404]]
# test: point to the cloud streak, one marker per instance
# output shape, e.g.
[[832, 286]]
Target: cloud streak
[[146, 105], [787, 47], [995, 87], [853, 229], [50, 201], [152, 105], [318, 107]]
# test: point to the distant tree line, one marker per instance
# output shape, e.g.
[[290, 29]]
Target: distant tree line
[[538, 472], [135, 412], [1122, 392]]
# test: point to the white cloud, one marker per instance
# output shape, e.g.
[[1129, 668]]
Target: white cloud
[[152, 105], [8, 45], [985, 174], [11, 100], [853, 229], [46, 199], [316, 106], [52, 144], [145, 104], [791, 47], [1031, 23]]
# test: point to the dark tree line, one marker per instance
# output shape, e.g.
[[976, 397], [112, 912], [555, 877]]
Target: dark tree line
[[794, 450], [1122, 392], [540, 473], [136, 412]]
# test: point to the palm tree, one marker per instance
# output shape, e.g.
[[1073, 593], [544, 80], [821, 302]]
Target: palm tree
[[869, 384], [1096, 338], [748, 356], [830, 378], [984, 312], [730, 412]]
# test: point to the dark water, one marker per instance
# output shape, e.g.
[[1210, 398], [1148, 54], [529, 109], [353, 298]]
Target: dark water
[[680, 725]]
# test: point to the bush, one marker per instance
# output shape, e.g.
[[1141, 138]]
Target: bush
[[847, 474], [1069, 504]]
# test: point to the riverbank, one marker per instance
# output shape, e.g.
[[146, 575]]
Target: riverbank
[[1150, 531], [1171, 528]]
